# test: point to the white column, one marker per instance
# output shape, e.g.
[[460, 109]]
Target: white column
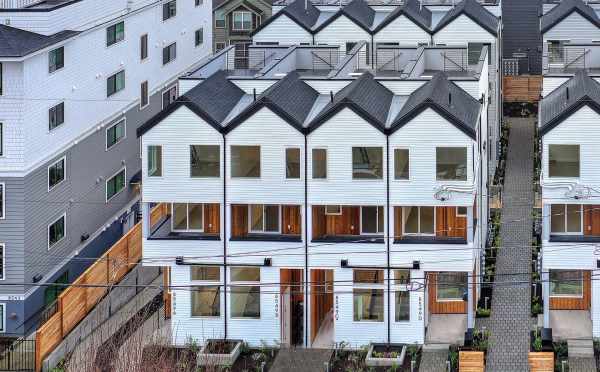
[[470, 301], [546, 297], [145, 220]]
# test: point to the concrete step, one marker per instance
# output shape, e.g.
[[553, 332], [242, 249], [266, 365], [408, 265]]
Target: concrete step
[[580, 348], [435, 347]]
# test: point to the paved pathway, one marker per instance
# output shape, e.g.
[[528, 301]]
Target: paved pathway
[[433, 358], [581, 355], [511, 303], [301, 360]]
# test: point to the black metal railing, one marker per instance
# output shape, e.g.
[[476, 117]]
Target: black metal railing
[[389, 59], [567, 59], [385, 2], [17, 355]]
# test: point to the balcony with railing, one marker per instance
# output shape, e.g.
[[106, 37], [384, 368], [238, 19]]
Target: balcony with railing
[[455, 62], [567, 59], [385, 2]]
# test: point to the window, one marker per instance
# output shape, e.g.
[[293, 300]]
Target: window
[[56, 59], [56, 231], [418, 220], [451, 163], [169, 96], [245, 297], [154, 161], [368, 295], [219, 19], [115, 33], [566, 283], [292, 163], [144, 99], [144, 47], [556, 50], [461, 211], [401, 164], [115, 133], [2, 262], [56, 173], [2, 317], [264, 218], [169, 53], [319, 163], [199, 37], [169, 9], [451, 286], [474, 52], [205, 273], [563, 160], [333, 210], [402, 306], [115, 184], [242, 21], [401, 276], [371, 220], [245, 161], [1, 139], [1, 85], [2, 200], [367, 163], [56, 116], [566, 219], [206, 299], [115, 83], [198, 2], [187, 217], [205, 161], [219, 46]]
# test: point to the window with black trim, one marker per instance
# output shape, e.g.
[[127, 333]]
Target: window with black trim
[[56, 116], [56, 173], [169, 9], [144, 97], [115, 133], [56, 59], [371, 220], [199, 37], [2, 264], [56, 231], [115, 83], [115, 33], [143, 47], [169, 53], [115, 184]]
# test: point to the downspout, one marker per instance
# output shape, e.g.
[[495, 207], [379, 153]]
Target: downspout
[[305, 240], [225, 232], [389, 236]]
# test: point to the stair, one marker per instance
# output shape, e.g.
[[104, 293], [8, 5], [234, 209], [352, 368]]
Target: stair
[[301, 360], [434, 358], [581, 348]]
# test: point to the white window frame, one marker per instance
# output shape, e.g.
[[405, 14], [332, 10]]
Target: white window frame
[[462, 214], [260, 161], [64, 215], [419, 220], [285, 163], [245, 284], [242, 13], [312, 171], [548, 162], [147, 94], [63, 159], [377, 219], [409, 164], [376, 286], [466, 148], [124, 170], [383, 170], [565, 216], [124, 121], [205, 283], [3, 199], [224, 19], [263, 220], [3, 328], [148, 160], [3, 262], [327, 213], [437, 292], [566, 295], [187, 213]]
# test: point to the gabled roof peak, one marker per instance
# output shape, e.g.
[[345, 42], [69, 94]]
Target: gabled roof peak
[[475, 11], [413, 10], [566, 8]]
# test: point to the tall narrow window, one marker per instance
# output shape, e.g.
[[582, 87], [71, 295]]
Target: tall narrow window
[[319, 163], [563, 160], [2, 262], [1, 138], [56, 231], [169, 96], [402, 305], [368, 295], [115, 133], [169, 9], [418, 220], [2, 200], [371, 220], [1, 79], [56, 59], [264, 218], [187, 217], [154, 161], [115, 184], [144, 99], [199, 37], [56, 173], [245, 292], [401, 164], [115, 83], [451, 163], [245, 161], [219, 19], [292, 163], [2, 318], [144, 47], [56, 116], [205, 161], [115, 33], [367, 162], [169, 53]]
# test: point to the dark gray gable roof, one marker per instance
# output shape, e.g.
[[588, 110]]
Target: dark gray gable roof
[[447, 99], [15, 42], [212, 100], [290, 98], [304, 13], [473, 10], [358, 11], [412, 10], [365, 96], [565, 100], [564, 9]]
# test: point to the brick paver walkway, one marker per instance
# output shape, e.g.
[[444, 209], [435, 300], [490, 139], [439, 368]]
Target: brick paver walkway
[[511, 303], [433, 359], [582, 364]]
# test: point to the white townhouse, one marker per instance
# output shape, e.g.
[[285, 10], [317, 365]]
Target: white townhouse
[[309, 210], [570, 182], [77, 78]]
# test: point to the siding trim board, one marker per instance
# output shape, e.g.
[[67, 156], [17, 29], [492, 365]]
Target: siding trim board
[[181, 101]]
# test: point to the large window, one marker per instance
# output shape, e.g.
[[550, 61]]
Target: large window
[[56, 231], [418, 220], [371, 220], [474, 50], [264, 218], [566, 219], [245, 161], [219, 19], [566, 283], [242, 21], [56, 116], [115, 33], [143, 47], [187, 217], [556, 51], [205, 298], [451, 286], [115, 184], [115, 133], [115, 83], [367, 162], [401, 164], [56, 173], [169, 53], [451, 163], [154, 161], [319, 163], [563, 160], [56, 59], [292, 163], [245, 292], [205, 161], [368, 295], [169, 9]]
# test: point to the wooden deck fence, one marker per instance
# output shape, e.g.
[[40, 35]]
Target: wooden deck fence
[[522, 88], [471, 361], [75, 302], [541, 361]]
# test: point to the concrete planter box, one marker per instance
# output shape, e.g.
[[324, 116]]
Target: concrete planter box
[[207, 359], [372, 361]]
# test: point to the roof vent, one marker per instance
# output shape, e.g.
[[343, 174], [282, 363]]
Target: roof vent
[[449, 99], [567, 93], [254, 93], [331, 95]]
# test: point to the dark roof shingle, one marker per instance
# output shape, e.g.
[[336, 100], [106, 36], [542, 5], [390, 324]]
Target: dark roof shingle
[[304, 13], [473, 10], [15, 42], [564, 9], [412, 9]]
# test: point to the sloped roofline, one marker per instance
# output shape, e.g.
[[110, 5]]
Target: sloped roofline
[[275, 16], [585, 100], [574, 9]]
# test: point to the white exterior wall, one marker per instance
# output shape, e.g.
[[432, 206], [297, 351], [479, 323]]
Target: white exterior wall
[[412, 331], [284, 31], [574, 28], [402, 30], [11, 115], [341, 31], [463, 30]]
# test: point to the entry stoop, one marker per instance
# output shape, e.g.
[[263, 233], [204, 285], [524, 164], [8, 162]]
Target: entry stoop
[[581, 355], [301, 360]]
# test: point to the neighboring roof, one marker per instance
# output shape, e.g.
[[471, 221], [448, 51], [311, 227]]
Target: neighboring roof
[[304, 13], [566, 8], [563, 101], [521, 33], [447, 99], [365, 96], [412, 10], [216, 4], [15, 42], [212, 100], [473, 10], [358, 11], [290, 98]]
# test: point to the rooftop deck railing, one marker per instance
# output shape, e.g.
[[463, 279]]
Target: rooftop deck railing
[[571, 58], [17, 4], [383, 2]]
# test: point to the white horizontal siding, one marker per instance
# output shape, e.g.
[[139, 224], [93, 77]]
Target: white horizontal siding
[[248, 85], [413, 330], [175, 134], [284, 31], [474, 87], [461, 31], [327, 86], [283, 254], [402, 30], [186, 84], [551, 83], [402, 87], [434, 257], [340, 31], [595, 303], [163, 252], [571, 256], [574, 28]]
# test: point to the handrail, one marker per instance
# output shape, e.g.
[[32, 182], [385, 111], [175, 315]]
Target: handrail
[[393, 59], [586, 51], [443, 54], [319, 57]]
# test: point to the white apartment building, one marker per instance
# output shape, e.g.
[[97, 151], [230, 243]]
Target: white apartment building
[[77, 78]]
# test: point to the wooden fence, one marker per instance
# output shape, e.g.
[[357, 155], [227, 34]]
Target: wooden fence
[[522, 88], [541, 361], [471, 361], [75, 302]]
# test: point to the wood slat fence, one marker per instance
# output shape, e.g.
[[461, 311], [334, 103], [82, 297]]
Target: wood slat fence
[[522, 88], [541, 361], [471, 361], [75, 302]]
